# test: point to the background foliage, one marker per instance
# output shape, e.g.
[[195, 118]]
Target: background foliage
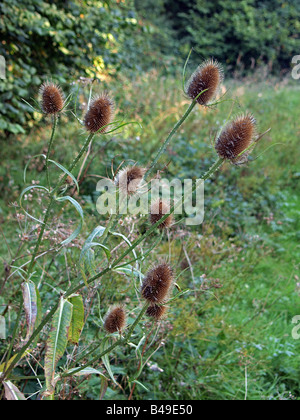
[[72, 39], [248, 32], [63, 40]]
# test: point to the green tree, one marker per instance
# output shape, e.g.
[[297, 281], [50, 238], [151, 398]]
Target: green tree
[[60, 40], [248, 31]]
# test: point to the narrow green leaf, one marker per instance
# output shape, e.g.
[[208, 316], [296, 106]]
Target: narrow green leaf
[[27, 189], [57, 341], [77, 321], [87, 255], [97, 232], [66, 172], [141, 366], [27, 164], [183, 292], [140, 384], [86, 371], [80, 211], [127, 241], [105, 359], [184, 69]]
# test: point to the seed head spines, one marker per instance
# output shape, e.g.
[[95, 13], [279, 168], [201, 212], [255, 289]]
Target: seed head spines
[[129, 179], [206, 79], [51, 98], [157, 284], [236, 138], [115, 319], [99, 114], [156, 311]]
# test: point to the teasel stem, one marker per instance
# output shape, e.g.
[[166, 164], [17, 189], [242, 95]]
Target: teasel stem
[[74, 289], [50, 148], [173, 131], [52, 200]]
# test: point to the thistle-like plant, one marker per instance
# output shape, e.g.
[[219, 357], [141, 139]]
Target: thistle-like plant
[[65, 320]]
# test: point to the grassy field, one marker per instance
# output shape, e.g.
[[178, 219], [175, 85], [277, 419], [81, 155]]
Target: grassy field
[[230, 337]]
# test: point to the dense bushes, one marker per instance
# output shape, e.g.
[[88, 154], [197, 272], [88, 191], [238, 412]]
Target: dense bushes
[[247, 32], [63, 39], [68, 39]]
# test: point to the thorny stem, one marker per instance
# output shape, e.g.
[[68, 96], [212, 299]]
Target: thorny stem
[[171, 134], [50, 148], [69, 292]]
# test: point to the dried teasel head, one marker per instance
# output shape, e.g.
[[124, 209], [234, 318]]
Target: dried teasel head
[[115, 319], [207, 79], [51, 98], [157, 284], [99, 114], [235, 140], [156, 312], [159, 209], [129, 179]]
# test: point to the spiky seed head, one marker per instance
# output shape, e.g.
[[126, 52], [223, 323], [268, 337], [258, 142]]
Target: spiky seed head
[[115, 320], [51, 98], [236, 137], [156, 311], [129, 179], [157, 284], [159, 209], [99, 114], [207, 77]]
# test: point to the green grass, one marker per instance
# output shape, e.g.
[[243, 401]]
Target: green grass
[[229, 342]]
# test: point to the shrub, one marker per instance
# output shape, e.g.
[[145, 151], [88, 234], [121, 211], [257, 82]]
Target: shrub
[[68, 39]]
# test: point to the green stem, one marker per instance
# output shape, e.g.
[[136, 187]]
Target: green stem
[[168, 139], [50, 148]]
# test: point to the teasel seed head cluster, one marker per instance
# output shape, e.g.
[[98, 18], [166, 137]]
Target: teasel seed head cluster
[[159, 209], [235, 139], [51, 98], [99, 114], [156, 312], [206, 79], [115, 319], [157, 284], [129, 179]]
